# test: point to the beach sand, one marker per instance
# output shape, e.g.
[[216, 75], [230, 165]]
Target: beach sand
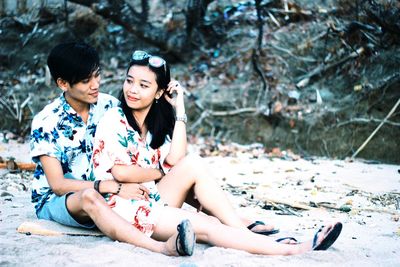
[[370, 236]]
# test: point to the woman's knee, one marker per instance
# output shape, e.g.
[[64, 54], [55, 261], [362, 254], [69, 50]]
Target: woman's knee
[[193, 163]]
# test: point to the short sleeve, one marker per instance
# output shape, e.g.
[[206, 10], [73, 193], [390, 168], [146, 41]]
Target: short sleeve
[[111, 144], [43, 142], [164, 151]]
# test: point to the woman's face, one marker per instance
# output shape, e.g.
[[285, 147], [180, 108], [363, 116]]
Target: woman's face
[[140, 88]]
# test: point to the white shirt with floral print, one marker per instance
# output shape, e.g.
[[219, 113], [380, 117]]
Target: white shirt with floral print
[[59, 132], [116, 142]]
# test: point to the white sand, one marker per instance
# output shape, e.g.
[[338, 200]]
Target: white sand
[[369, 238]]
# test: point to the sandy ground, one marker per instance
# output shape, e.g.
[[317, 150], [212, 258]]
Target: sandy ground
[[370, 236]]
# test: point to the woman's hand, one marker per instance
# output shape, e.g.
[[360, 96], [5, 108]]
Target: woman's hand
[[134, 191], [174, 87]]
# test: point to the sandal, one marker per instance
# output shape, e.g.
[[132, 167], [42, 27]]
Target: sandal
[[329, 239], [186, 239], [270, 232], [279, 240]]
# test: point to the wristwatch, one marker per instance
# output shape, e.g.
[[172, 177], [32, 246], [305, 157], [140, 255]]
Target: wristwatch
[[182, 118]]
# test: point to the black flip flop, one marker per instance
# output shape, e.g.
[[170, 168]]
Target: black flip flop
[[329, 239], [254, 224], [186, 239], [279, 240]]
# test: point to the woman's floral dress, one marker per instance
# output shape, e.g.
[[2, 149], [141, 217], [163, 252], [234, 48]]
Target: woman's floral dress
[[116, 142]]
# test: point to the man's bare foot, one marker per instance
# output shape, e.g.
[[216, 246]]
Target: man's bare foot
[[182, 242]]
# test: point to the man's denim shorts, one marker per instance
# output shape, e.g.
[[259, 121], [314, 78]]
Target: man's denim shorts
[[56, 210]]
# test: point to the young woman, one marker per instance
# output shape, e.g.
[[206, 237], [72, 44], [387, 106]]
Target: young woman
[[144, 141]]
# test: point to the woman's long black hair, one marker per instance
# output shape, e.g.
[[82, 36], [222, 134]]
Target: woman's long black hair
[[160, 120]]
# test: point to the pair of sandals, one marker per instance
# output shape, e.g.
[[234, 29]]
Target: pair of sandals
[[329, 239], [186, 239]]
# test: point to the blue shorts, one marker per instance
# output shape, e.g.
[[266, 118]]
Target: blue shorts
[[56, 210]]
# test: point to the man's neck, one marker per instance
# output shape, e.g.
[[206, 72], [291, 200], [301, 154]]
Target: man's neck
[[81, 108]]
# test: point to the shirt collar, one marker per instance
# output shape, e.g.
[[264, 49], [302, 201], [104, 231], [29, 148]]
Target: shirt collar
[[69, 110]]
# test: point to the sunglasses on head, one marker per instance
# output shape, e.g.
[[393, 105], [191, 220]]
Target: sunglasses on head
[[154, 61]]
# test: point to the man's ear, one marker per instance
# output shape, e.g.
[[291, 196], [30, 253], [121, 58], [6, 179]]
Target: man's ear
[[62, 84], [159, 93]]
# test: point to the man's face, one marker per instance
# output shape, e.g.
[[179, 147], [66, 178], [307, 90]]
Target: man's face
[[85, 91]]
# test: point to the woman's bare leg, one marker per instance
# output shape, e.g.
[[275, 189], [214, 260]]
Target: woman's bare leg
[[218, 234], [88, 205], [190, 172], [190, 182]]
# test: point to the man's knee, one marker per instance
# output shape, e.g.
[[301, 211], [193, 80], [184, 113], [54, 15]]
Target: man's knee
[[91, 200]]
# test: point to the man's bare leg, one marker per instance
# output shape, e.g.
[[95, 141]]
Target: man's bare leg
[[89, 205]]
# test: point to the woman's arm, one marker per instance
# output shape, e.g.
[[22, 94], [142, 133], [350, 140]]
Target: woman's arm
[[135, 174], [179, 139]]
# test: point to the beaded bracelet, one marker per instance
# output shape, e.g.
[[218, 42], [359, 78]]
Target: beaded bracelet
[[119, 188]]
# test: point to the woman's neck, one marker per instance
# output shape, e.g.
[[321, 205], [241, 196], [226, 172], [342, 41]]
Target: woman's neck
[[140, 117]]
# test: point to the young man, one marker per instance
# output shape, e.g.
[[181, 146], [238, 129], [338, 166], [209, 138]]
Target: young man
[[63, 187]]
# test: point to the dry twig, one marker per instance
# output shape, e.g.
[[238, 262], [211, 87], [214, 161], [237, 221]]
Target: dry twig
[[377, 129]]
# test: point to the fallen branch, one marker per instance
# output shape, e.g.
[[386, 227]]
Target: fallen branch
[[292, 204], [233, 112], [330, 206], [283, 208], [287, 51], [366, 120], [377, 129], [305, 80], [11, 165]]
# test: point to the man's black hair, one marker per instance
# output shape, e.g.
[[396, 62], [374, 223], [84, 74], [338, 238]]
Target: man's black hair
[[73, 62]]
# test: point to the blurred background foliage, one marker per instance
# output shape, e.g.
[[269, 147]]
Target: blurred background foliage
[[316, 77]]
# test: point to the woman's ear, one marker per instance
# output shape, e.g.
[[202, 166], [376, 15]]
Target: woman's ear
[[159, 93], [62, 84]]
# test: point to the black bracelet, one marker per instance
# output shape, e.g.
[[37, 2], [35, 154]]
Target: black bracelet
[[161, 170], [97, 186], [119, 188]]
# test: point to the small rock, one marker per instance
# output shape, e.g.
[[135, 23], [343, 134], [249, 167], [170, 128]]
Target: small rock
[[6, 194], [10, 136], [345, 208]]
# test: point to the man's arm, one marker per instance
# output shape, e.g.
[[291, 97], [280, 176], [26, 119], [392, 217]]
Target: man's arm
[[60, 185]]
